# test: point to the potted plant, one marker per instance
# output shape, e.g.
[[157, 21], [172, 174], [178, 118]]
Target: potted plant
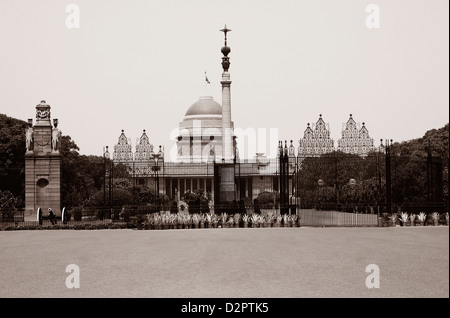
[[215, 221], [269, 219], [286, 220], [165, 221], [404, 218], [421, 218], [187, 221], [262, 221], [201, 221], [172, 221], [393, 218], [223, 219], [294, 220], [255, 220], [157, 221], [230, 222], [178, 221], [208, 219], [278, 221], [412, 218], [237, 219], [385, 219], [435, 217], [446, 218], [195, 220], [245, 220]]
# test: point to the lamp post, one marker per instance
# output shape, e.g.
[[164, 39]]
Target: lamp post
[[320, 183], [352, 195], [295, 186], [106, 168], [387, 148], [156, 157], [380, 149]]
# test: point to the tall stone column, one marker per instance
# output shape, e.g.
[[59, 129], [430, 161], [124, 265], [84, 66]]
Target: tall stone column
[[226, 117], [227, 133], [42, 164], [227, 182]]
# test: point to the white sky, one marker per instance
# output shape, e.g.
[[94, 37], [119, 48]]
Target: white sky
[[137, 65]]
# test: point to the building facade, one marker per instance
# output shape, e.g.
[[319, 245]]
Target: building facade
[[316, 139], [355, 140], [207, 153], [207, 156]]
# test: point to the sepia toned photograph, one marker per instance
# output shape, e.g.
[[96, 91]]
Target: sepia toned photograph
[[224, 156]]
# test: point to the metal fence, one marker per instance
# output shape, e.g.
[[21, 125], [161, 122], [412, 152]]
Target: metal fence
[[310, 217]]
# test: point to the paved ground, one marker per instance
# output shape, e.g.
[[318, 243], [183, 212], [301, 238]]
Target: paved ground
[[265, 262]]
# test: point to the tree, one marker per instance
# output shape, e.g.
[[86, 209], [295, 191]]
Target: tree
[[197, 200], [120, 197], [12, 155], [268, 200], [81, 176], [8, 205]]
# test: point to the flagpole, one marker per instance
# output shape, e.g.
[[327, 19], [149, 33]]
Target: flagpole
[[205, 83]]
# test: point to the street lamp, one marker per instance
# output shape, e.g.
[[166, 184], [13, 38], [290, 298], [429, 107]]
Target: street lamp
[[320, 183], [156, 157], [106, 175], [387, 148], [352, 194]]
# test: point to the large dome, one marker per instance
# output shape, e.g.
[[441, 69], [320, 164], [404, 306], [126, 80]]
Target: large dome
[[204, 107]]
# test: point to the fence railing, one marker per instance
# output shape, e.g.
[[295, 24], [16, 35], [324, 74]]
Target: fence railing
[[311, 217], [307, 217]]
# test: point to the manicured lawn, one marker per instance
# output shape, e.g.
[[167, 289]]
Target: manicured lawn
[[265, 262]]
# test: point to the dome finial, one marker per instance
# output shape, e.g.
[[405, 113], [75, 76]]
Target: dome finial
[[225, 30], [225, 51]]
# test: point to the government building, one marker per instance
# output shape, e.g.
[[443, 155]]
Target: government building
[[208, 154]]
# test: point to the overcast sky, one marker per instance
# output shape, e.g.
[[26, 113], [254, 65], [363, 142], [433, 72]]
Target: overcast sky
[[137, 65]]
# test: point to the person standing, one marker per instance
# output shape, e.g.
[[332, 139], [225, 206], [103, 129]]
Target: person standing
[[51, 216]]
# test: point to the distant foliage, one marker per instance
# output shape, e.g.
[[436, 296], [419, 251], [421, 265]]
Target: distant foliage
[[12, 155], [408, 174], [83, 177]]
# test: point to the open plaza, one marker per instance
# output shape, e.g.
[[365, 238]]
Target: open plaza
[[227, 263]]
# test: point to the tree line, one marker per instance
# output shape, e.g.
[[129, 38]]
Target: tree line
[[418, 174], [319, 181]]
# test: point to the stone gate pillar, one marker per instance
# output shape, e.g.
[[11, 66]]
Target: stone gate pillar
[[42, 164]]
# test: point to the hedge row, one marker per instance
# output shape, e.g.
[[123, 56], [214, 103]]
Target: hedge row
[[100, 226]]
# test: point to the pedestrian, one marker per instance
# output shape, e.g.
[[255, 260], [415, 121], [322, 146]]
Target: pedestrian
[[51, 216]]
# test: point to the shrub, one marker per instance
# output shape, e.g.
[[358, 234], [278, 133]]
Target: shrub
[[174, 207], [77, 213], [126, 215]]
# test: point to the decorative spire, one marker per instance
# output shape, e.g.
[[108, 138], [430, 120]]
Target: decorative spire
[[225, 51]]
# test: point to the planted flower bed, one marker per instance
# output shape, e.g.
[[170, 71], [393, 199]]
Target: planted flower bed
[[421, 219], [167, 220]]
